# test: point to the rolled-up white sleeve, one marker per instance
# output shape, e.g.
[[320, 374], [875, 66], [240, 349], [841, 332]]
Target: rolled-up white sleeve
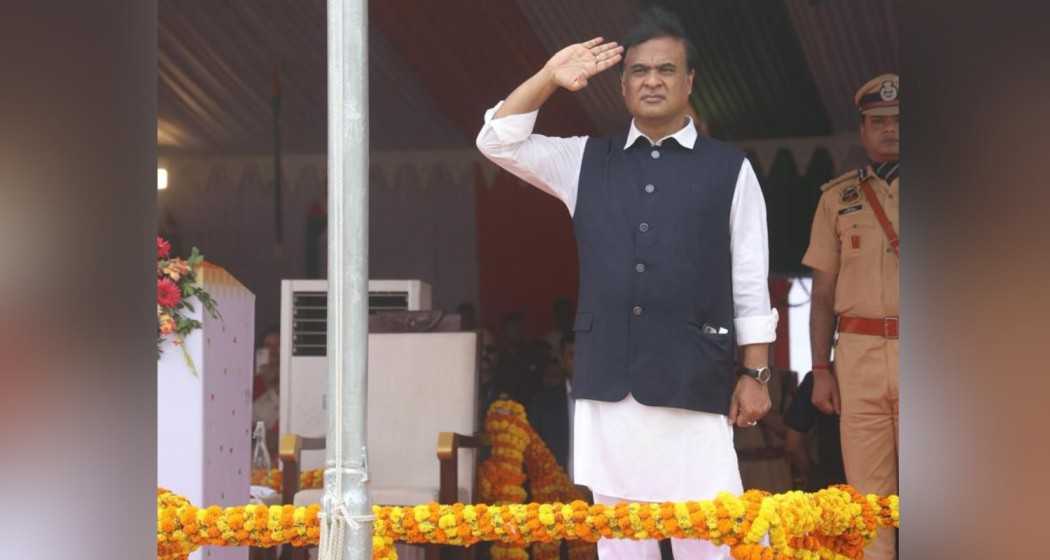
[[755, 320], [548, 163]]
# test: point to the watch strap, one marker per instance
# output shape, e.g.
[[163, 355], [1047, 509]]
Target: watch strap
[[762, 375]]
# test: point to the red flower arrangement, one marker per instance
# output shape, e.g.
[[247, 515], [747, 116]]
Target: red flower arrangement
[[177, 284], [163, 248], [168, 294]]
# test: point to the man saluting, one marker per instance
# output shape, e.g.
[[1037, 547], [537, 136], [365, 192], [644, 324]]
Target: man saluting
[[672, 240]]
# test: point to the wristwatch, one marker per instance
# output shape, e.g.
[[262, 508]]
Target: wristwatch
[[762, 374]]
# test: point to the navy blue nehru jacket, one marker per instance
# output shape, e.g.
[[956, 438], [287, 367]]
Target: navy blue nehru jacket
[[655, 304]]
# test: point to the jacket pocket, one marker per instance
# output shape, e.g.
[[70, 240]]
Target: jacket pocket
[[711, 331]]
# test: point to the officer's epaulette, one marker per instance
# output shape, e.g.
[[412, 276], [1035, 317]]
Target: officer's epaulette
[[847, 177]]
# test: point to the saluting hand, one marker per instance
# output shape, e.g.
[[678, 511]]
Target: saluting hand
[[574, 65]]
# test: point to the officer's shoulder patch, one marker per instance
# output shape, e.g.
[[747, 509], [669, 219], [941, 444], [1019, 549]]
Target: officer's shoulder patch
[[849, 194], [844, 179]]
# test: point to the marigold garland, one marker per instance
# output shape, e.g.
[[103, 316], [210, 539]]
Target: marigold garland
[[308, 480], [835, 523], [548, 483], [501, 476], [832, 524], [183, 528]]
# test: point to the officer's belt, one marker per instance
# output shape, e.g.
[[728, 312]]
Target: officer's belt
[[887, 327]]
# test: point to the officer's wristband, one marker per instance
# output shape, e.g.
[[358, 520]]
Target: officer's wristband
[[825, 367]]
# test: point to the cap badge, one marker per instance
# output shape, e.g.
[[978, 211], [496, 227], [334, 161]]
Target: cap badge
[[888, 91]]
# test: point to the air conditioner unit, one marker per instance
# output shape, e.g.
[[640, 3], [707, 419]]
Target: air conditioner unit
[[304, 361]]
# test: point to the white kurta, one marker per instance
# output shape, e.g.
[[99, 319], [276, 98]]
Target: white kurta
[[626, 449]]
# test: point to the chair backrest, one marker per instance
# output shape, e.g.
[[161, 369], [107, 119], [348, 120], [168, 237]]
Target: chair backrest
[[419, 384], [433, 320]]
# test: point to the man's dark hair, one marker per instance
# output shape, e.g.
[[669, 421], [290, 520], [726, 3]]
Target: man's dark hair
[[270, 329], [654, 23]]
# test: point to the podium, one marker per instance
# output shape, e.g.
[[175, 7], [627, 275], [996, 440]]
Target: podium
[[204, 420]]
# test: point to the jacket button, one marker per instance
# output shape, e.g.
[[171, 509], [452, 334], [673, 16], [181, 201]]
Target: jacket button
[[640, 267], [650, 188], [637, 311], [655, 154], [643, 227]]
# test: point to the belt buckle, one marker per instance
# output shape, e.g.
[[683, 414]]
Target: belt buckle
[[889, 323]]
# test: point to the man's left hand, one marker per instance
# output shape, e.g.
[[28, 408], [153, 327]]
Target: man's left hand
[[750, 402]]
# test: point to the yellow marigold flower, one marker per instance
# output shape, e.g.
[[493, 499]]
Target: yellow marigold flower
[[421, 513], [470, 515], [546, 515], [710, 515]]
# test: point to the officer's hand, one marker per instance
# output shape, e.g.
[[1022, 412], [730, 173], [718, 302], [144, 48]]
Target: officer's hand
[[826, 392], [572, 66], [750, 402]]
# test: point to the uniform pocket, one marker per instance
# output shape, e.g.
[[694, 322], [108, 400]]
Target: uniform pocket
[[859, 238], [860, 269], [584, 322]]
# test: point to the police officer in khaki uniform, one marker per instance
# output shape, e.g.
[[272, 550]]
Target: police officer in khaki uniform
[[853, 252]]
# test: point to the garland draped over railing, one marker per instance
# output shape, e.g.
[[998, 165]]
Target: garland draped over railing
[[836, 523]]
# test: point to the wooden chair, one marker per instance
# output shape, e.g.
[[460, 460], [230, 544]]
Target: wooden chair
[[448, 446], [421, 385]]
